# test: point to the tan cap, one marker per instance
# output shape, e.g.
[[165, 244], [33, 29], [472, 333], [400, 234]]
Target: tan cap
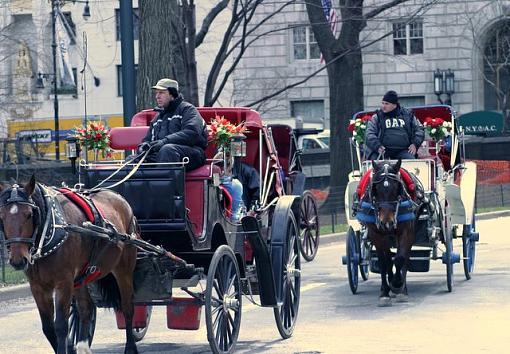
[[164, 84]]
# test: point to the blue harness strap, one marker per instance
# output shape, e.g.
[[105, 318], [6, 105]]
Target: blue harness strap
[[366, 212]]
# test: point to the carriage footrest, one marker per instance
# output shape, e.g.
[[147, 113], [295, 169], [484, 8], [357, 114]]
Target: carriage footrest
[[183, 313]]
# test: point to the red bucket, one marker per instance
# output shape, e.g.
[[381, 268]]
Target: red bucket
[[139, 317], [183, 313]]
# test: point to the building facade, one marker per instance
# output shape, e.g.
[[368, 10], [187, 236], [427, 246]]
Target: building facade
[[95, 89], [465, 42]]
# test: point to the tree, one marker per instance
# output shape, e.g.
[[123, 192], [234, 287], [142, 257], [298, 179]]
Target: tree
[[343, 59], [168, 32]]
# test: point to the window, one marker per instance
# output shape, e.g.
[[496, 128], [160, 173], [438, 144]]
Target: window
[[304, 45], [119, 78], [309, 111], [136, 23], [70, 26], [408, 38]]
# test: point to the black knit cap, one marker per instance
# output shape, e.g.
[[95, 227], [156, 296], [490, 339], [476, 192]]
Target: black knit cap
[[391, 97]]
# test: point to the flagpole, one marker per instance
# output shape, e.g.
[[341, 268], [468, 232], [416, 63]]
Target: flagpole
[[55, 97]]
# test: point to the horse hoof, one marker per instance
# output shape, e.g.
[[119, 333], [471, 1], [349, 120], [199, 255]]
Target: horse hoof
[[384, 301], [83, 348], [396, 290], [402, 298]]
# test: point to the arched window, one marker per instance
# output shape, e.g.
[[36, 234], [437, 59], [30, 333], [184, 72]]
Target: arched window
[[496, 67]]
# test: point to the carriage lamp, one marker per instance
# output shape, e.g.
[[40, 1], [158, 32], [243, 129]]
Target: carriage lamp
[[72, 151], [238, 145]]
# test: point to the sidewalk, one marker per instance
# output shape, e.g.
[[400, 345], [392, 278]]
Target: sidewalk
[[19, 291]]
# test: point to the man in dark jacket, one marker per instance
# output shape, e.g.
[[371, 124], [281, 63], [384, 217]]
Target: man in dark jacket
[[178, 130], [393, 132]]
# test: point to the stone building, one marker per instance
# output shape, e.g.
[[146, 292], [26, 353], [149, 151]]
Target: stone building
[[467, 41]]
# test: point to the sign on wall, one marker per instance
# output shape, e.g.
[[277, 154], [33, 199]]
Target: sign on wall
[[482, 123], [37, 135]]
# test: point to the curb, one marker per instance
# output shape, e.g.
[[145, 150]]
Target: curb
[[23, 290], [15, 292]]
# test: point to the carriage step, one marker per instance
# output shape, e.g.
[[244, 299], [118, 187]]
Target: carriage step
[[474, 236]]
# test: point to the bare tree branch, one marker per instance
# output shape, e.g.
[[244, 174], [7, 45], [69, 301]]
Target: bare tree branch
[[382, 8], [208, 20]]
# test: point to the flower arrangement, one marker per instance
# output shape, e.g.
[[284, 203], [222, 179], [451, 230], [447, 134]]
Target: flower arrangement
[[358, 127], [437, 128], [221, 132], [95, 136]]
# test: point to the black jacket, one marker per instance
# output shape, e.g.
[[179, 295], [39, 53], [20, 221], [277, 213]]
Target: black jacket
[[180, 123], [375, 130]]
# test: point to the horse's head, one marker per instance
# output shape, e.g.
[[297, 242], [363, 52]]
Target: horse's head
[[18, 221], [386, 192]]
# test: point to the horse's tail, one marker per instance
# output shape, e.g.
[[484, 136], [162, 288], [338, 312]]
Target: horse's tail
[[109, 291]]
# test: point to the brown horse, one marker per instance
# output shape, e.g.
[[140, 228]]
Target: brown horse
[[393, 226], [34, 219]]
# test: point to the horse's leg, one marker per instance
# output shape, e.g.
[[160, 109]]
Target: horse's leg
[[405, 243], [63, 294], [85, 310], [44, 300], [125, 283]]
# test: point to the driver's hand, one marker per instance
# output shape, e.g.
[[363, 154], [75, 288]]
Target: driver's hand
[[412, 149], [143, 147], [381, 150]]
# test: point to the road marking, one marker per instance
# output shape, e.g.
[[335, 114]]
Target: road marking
[[249, 306]]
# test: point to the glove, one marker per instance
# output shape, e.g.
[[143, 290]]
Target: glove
[[157, 144], [143, 147], [381, 150]]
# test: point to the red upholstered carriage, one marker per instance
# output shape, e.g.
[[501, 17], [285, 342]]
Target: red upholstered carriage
[[185, 213]]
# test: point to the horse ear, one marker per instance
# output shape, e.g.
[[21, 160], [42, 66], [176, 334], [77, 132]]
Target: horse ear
[[398, 164], [30, 186]]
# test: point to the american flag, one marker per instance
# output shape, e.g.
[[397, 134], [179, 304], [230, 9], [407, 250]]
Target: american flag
[[331, 17]]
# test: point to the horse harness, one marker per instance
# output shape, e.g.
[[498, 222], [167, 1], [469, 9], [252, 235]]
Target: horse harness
[[50, 232]]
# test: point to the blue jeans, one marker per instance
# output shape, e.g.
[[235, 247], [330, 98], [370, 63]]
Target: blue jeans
[[235, 188]]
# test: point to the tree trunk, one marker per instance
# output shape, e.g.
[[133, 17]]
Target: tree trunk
[[159, 52], [191, 62], [346, 98]]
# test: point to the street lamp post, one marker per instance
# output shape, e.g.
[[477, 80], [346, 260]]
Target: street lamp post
[[444, 83], [54, 13]]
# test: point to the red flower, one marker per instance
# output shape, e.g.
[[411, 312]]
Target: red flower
[[351, 127], [366, 118]]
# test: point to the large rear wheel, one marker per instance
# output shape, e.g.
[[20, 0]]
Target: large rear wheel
[[469, 239], [286, 311], [309, 227], [223, 301]]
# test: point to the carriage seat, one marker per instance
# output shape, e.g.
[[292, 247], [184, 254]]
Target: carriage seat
[[128, 138], [406, 178]]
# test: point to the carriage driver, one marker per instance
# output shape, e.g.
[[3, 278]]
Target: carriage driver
[[178, 130], [393, 132]]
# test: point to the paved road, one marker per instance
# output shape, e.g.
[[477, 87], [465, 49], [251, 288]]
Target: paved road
[[475, 318]]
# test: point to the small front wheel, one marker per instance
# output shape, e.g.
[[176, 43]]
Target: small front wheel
[[223, 301], [309, 227]]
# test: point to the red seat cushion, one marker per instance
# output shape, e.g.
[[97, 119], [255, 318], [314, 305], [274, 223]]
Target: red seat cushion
[[127, 138], [143, 118], [202, 172]]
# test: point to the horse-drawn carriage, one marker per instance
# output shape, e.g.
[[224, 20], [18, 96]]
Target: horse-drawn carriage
[[437, 201], [189, 214]]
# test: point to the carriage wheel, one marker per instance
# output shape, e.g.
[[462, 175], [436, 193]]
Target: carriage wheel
[[469, 239], [309, 227], [447, 257], [364, 252], [286, 313], [139, 333], [75, 326], [223, 301], [352, 261]]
